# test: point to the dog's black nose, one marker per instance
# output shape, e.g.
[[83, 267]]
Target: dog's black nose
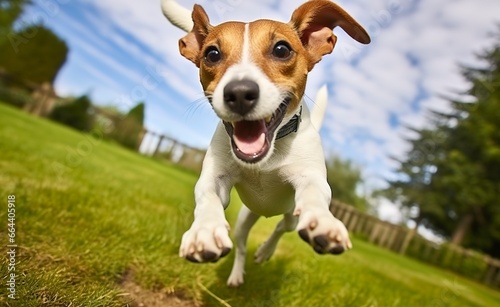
[[241, 96]]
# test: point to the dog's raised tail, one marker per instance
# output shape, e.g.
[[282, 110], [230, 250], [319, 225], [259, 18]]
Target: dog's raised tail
[[319, 108], [178, 15]]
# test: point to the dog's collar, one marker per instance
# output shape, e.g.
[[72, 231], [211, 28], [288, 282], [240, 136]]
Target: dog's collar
[[291, 126]]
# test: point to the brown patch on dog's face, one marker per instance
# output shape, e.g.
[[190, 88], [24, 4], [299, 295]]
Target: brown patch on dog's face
[[226, 40], [277, 50]]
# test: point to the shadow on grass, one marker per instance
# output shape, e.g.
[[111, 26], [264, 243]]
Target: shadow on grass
[[261, 288]]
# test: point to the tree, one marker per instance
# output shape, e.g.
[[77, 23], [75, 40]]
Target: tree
[[77, 114], [137, 113], [34, 54], [344, 178], [129, 129], [471, 174], [412, 191], [455, 187], [10, 10]]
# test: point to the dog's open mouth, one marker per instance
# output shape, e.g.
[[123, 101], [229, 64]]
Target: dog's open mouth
[[251, 140]]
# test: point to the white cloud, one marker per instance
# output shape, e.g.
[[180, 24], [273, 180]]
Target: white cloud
[[388, 212]]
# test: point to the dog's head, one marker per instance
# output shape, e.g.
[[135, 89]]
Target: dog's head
[[254, 74]]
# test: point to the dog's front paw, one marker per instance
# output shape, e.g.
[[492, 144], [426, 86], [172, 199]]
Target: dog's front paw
[[206, 242], [324, 232]]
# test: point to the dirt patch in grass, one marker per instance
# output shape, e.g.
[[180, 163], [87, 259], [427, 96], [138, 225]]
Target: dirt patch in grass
[[136, 296]]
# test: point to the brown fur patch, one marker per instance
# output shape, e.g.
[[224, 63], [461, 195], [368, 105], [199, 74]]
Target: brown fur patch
[[289, 75], [228, 38]]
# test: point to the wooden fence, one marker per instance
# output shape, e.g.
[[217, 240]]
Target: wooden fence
[[165, 147], [402, 240]]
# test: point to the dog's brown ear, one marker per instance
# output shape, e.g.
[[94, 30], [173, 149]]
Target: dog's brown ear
[[314, 22], [190, 45]]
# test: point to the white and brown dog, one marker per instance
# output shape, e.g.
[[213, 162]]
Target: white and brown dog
[[254, 75]]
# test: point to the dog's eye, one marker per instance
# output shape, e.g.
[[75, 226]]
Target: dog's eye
[[212, 55], [282, 50]]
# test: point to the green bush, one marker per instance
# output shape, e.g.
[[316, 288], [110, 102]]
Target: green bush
[[127, 131], [16, 97], [77, 114], [473, 265], [465, 262], [447, 256], [417, 248]]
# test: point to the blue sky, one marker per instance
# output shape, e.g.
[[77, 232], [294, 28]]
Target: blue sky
[[124, 51]]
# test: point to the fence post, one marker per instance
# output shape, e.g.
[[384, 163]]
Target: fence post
[[157, 150], [140, 138], [353, 221], [347, 216], [359, 225], [392, 237], [375, 231], [384, 235], [406, 242]]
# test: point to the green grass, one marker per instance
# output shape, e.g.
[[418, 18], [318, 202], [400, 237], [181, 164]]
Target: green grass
[[93, 218]]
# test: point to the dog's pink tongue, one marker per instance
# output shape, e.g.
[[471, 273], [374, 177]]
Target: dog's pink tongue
[[250, 136]]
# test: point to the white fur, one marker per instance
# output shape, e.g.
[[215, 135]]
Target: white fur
[[319, 110], [177, 15]]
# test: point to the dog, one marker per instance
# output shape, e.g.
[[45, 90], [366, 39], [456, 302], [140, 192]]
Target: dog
[[267, 144]]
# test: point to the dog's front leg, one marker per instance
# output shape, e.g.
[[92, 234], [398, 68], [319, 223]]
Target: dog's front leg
[[208, 238], [317, 225]]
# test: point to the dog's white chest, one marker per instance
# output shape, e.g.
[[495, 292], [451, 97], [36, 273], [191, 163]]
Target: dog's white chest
[[265, 194]]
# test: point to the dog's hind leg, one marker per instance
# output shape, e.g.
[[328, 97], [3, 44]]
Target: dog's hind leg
[[266, 250], [246, 219]]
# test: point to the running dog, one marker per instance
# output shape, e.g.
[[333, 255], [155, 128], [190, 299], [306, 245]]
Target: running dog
[[267, 144]]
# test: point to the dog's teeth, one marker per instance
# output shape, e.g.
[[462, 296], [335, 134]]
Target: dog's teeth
[[268, 119]]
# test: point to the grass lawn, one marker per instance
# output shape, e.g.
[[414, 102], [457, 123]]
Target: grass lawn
[[98, 225]]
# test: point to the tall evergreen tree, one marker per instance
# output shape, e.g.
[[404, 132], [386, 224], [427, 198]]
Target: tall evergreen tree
[[471, 173], [137, 113], [455, 187], [412, 190]]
